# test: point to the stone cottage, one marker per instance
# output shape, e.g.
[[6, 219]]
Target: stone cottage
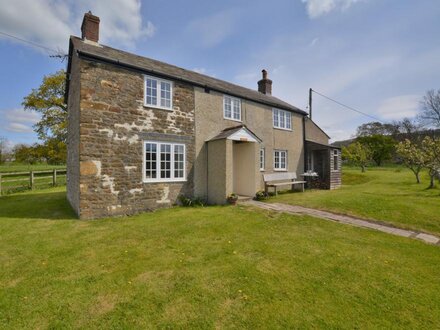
[[142, 132]]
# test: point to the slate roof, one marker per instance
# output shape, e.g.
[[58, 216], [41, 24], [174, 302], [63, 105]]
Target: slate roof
[[147, 65]]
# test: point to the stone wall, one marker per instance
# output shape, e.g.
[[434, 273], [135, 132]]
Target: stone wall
[[113, 125]]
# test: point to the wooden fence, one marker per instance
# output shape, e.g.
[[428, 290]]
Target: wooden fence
[[30, 180]]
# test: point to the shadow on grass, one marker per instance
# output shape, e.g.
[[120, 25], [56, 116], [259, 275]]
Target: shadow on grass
[[37, 205]]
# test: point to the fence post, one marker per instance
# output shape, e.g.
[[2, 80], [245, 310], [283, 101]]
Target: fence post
[[0, 184], [54, 181], [31, 179]]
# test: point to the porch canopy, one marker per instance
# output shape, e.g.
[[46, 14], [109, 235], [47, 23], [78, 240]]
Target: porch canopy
[[237, 133]]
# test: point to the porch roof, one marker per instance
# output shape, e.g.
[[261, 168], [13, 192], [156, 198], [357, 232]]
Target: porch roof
[[320, 146], [234, 134]]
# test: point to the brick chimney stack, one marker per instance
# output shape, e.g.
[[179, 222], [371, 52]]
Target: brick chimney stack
[[90, 27], [265, 84]]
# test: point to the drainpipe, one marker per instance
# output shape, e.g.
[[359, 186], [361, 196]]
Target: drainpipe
[[304, 142]]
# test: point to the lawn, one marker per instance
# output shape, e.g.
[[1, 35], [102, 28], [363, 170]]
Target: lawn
[[211, 267], [388, 194]]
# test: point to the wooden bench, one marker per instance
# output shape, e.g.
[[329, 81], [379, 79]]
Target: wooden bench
[[281, 179]]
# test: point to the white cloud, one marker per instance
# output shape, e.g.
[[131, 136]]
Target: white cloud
[[317, 8], [200, 70], [22, 116], [19, 128], [313, 42], [50, 22], [399, 107], [214, 29]]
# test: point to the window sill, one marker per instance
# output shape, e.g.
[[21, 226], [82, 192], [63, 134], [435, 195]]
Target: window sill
[[158, 108], [283, 129], [280, 170], [237, 120], [164, 180]]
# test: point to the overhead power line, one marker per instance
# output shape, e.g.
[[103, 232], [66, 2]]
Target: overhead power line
[[346, 106], [57, 52]]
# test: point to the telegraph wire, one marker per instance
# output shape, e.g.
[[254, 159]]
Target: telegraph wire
[[58, 53], [346, 106]]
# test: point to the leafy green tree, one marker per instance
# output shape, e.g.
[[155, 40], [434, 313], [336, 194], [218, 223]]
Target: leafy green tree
[[381, 147], [377, 128], [412, 156], [431, 151], [48, 100], [25, 154], [357, 154]]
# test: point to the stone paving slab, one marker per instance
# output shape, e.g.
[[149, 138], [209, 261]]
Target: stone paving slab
[[294, 209]]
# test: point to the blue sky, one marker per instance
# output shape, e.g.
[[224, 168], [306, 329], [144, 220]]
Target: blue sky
[[379, 56]]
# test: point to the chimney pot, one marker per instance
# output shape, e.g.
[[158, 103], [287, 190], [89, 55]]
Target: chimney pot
[[265, 84], [90, 27]]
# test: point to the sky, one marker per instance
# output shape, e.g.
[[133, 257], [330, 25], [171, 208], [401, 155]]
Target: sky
[[378, 56]]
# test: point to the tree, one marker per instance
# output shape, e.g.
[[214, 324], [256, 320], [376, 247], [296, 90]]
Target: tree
[[377, 128], [430, 112], [48, 100], [357, 154], [431, 151], [24, 154], [413, 157], [381, 147]]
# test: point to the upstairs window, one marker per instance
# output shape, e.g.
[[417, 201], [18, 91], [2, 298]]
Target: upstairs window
[[282, 119], [280, 160], [231, 108], [164, 162], [158, 93]]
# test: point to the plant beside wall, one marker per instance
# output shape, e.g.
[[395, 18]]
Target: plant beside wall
[[232, 198], [191, 202], [261, 195]]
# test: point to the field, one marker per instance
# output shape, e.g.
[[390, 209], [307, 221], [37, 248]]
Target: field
[[388, 194], [210, 267], [14, 167]]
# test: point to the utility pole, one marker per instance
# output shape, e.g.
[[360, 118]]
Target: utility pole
[[310, 102]]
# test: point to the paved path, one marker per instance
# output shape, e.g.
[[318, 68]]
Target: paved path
[[279, 207]]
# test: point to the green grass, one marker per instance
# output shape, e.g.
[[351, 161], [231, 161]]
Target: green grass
[[387, 194], [224, 267]]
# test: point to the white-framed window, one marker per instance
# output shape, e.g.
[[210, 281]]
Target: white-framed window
[[280, 160], [158, 93], [262, 159], [231, 108], [164, 161], [335, 160], [282, 119]]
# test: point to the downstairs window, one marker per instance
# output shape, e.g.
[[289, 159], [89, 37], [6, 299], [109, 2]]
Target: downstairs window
[[164, 162]]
